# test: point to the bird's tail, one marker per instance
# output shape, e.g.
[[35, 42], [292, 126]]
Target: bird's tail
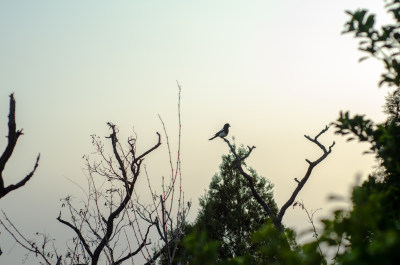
[[212, 137]]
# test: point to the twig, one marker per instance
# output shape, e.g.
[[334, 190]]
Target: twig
[[311, 220]]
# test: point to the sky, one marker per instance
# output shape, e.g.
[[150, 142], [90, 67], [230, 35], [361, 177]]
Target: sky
[[275, 70]]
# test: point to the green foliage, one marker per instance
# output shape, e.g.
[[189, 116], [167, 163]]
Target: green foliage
[[273, 247], [203, 252], [199, 250], [229, 213], [382, 43], [392, 107], [371, 229]]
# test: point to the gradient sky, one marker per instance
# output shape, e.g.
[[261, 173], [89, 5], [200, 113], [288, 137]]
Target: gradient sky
[[275, 70]]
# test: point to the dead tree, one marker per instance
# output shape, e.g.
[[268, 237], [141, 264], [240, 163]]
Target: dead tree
[[99, 229], [166, 214], [111, 225], [99, 222], [277, 219], [13, 135]]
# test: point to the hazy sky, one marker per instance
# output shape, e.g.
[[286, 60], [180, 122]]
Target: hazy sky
[[275, 70]]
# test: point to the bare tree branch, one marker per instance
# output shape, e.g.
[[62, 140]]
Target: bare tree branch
[[23, 241], [151, 149], [78, 233], [311, 166], [13, 135], [160, 252], [131, 254]]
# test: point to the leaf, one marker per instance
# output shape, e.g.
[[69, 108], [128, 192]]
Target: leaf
[[348, 12], [335, 197], [363, 59], [370, 22]]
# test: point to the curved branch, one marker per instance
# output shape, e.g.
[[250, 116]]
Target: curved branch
[[78, 233], [12, 187], [151, 149]]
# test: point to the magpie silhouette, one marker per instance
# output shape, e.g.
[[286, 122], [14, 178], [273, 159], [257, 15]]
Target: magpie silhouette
[[222, 133]]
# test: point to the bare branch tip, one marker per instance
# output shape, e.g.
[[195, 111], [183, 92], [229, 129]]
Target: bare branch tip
[[12, 98], [332, 145]]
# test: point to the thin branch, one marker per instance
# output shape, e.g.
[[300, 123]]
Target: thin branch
[[31, 247], [131, 254], [78, 233], [311, 221]]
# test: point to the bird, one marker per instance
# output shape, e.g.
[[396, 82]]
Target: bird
[[222, 133]]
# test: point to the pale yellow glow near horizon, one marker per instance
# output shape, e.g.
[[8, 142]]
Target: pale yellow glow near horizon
[[275, 70]]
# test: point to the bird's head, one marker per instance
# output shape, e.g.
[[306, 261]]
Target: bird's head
[[227, 125]]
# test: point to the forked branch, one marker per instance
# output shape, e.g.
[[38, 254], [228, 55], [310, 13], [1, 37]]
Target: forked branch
[[311, 166], [13, 135], [277, 220]]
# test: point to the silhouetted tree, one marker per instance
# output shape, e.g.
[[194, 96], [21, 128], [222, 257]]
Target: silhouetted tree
[[111, 225]]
